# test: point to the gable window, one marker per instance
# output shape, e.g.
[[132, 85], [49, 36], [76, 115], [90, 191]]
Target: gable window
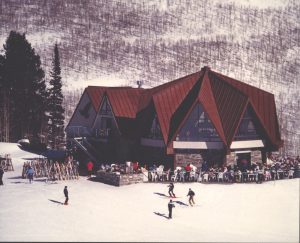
[[198, 127], [247, 128]]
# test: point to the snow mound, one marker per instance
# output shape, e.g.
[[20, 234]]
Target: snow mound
[[17, 154]]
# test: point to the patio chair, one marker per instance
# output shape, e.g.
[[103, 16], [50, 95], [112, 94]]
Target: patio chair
[[220, 176]]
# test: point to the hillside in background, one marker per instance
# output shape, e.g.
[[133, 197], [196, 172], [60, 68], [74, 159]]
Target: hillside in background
[[119, 42]]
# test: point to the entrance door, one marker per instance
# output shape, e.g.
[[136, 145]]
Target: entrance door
[[244, 161]]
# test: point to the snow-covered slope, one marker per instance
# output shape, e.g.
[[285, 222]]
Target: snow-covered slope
[[97, 212]]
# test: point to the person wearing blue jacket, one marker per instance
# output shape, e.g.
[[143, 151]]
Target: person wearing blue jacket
[[30, 173]]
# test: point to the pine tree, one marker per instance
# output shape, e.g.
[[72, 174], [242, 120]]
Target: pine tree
[[56, 110], [23, 88]]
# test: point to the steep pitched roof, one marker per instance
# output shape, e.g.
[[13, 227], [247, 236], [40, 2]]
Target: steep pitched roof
[[124, 100], [209, 103], [223, 98], [263, 104], [96, 94], [168, 98]]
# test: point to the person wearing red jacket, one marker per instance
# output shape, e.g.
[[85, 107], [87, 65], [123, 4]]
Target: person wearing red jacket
[[188, 169], [135, 166], [90, 166]]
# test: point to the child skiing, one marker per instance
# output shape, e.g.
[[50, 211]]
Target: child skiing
[[170, 207], [171, 188], [30, 173], [191, 195], [66, 195]]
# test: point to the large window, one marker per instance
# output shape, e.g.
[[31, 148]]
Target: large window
[[198, 127], [247, 129], [155, 131]]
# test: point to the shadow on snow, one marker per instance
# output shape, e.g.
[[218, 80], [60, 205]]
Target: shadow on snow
[[161, 215], [54, 201]]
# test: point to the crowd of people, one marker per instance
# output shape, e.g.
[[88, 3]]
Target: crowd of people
[[122, 168], [275, 168]]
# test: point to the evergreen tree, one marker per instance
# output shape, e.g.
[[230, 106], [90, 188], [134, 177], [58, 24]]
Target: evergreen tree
[[56, 111], [23, 88]]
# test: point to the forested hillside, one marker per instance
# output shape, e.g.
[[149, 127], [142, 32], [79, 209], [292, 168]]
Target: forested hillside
[[160, 40]]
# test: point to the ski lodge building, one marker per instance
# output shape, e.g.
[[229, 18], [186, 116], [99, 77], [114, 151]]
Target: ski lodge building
[[202, 116]]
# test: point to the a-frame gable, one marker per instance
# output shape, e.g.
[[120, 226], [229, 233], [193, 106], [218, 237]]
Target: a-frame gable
[[105, 121], [198, 127], [84, 114]]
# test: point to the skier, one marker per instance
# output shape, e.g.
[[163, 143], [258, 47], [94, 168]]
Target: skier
[[191, 194], [90, 166], [30, 173], [171, 188], [1, 175], [66, 195], [170, 207]]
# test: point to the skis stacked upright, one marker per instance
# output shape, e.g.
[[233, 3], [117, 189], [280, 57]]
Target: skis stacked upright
[[63, 171]]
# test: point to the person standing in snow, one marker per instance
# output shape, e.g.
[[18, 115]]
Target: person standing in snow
[[1, 176], [30, 173], [171, 188], [170, 208], [191, 195], [66, 195], [90, 166]]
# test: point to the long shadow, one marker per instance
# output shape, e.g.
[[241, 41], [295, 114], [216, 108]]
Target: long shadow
[[16, 177], [161, 194], [161, 214], [181, 203], [55, 201]]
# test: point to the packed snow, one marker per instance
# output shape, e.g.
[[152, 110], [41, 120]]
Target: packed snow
[[267, 212]]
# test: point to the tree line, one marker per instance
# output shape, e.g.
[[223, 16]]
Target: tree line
[[31, 106]]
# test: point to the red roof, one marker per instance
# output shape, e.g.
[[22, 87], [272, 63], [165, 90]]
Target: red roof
[[124, 100], [223, 98]]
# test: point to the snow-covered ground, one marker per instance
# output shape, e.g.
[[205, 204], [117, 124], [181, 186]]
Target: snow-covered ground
[[97, 212]]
